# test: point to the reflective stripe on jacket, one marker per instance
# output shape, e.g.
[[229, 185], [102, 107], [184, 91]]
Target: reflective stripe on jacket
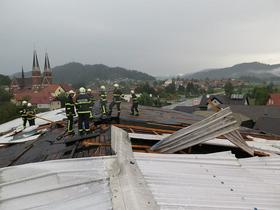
[[83, 104]]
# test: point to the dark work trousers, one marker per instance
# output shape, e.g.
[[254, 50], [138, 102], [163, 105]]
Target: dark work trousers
[[118, 104], [24, 119], [70, 124], [83, 122], [103, 106], [31, 122], [134, 107]]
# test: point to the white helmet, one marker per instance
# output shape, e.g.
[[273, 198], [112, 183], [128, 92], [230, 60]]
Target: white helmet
[[24, 102], [116, 85], [102, 87], [82, 90], [29, 104], [71, 92], [89, 90], [132, 91]]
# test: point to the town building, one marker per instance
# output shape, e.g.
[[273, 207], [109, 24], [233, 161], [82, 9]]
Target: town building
[[274, 99]]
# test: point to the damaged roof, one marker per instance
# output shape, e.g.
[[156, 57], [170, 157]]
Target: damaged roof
[[140, 181]]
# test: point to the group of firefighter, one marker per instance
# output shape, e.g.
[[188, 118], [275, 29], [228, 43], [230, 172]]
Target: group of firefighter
[[27, 113], [83, 104]]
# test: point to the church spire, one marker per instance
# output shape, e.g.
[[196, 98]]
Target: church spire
[[22, 80], [22, 73], [36, 73], [47, 77], [35, 62], [47, 66]]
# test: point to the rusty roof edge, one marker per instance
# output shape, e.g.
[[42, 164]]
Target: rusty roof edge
[[129, 188]]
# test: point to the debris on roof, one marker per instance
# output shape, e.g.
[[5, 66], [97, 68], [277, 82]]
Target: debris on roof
[[27, 134], [220, 123], [55, 115], [139, 181]]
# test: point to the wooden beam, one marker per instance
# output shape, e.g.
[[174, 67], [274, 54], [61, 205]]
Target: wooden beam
[[144, 128]]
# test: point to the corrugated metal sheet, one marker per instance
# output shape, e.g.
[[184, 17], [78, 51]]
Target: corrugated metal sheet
[[55, 115], [62, 184], [220, 123], [214, 181], [143, 181]]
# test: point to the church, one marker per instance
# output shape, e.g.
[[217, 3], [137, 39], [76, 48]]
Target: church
[[37, 81], [38, 89]]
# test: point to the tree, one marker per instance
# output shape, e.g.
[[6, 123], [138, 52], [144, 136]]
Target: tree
[[171, 88], [62, 97], [4, 80], [145, 99], [210, 90], [261, 95], [4, 95], [8, 111], [145, 88], [228, 88], [181, 89]]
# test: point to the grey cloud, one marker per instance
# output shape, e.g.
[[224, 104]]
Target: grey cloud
[[158, 37]]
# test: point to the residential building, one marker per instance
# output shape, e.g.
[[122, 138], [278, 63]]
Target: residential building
[[274, 99]]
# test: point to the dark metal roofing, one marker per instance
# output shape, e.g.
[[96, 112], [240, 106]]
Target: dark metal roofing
[[268, 125], [158, 115], [255, 112], [223, 99]]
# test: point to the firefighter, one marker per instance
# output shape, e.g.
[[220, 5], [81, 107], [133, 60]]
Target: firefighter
[[83, 104], [134, 106], [70, 112], [23, 113], [30, 113], [117, 95], [92, 100], [103, 100]]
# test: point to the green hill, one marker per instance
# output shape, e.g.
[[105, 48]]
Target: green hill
[[244, 70], [77, 73]]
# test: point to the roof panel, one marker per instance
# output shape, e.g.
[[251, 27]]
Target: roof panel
[[217, 182], [62, 184]]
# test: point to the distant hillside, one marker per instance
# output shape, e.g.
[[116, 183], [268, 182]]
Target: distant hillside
[[77, 73], [244, 70]]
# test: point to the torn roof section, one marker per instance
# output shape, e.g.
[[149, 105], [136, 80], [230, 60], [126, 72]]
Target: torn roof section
[[144, 181], [218, 124]]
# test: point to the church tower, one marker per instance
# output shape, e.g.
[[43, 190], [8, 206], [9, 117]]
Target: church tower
[[47, 75], [22, 81], [36, 73]]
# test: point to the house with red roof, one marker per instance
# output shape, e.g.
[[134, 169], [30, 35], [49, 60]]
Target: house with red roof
[[45, 98], [274, 99]]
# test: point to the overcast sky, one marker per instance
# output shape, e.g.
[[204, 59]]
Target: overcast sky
[[159, 37]]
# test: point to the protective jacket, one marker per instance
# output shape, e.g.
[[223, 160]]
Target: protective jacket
[[70, 106], [83, 104], [117, 94], [134, 98]]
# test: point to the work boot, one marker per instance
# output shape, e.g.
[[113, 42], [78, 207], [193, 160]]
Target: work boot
[[137, 114], [71, 133], [131, 113]]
